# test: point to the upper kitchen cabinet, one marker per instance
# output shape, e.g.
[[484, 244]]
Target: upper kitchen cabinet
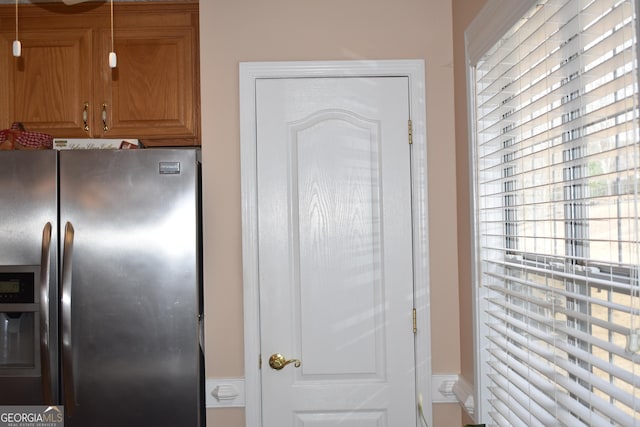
[[47, 87], [62, 83]]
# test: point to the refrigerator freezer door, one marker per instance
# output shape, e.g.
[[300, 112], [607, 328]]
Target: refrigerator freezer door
[[28, 213], [130, 297], [27, 203]]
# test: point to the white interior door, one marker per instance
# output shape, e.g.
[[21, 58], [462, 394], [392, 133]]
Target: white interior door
[[335, 251]]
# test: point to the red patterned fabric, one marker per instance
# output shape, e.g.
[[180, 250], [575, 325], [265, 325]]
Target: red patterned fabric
[[26, 139]]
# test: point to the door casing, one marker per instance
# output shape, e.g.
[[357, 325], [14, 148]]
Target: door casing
[[249, 72]]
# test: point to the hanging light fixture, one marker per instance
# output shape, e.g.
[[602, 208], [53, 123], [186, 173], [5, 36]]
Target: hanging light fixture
[[17, 46], [113, 58]]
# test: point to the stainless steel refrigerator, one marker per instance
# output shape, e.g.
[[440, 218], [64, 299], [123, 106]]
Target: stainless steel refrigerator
[[100, 285]]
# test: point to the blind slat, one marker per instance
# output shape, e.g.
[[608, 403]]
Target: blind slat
[[619, 284], [561, 81], [578, 335], [502, 414], [527, 413], [551, 58], [560, 343], [556, 307], [571, 385], [541, 391]]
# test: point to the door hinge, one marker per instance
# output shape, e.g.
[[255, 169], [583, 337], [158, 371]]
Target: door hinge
[[415, 321], [410, 132], [260, 361]]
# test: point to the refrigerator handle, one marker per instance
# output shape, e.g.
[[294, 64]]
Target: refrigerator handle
[[45, 355], [67, 355]]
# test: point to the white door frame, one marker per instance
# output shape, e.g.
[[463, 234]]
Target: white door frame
[[249, 72]]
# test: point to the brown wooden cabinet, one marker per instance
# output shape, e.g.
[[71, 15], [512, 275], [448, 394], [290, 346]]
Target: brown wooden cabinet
[[62, 83], [47, 86]]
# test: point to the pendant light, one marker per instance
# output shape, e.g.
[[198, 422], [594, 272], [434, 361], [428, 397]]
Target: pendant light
[[17, 46], [113, 58]]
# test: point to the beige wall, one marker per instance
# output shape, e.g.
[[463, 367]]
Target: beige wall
[[463, 13], [256, 30]]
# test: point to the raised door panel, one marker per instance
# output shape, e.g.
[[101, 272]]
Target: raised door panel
[[336, 189], [151, 92], [49, 85]]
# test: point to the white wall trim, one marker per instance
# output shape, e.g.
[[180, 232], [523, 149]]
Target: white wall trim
[[452, 388], [447, 388], [442, 388], [249, 72], [225, 393]]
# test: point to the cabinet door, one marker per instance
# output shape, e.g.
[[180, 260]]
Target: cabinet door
[[151, 92], [49, 85]]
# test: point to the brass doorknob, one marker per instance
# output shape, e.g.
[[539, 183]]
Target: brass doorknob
[[278, 361]]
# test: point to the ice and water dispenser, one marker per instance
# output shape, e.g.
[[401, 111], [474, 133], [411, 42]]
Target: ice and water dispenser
[[19, 322]]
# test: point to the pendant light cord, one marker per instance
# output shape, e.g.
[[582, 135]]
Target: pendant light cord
[[113, 59], [112, 50], [17, 46], [17, 19]]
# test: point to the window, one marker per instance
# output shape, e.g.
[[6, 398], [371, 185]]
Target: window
[[556, 159]]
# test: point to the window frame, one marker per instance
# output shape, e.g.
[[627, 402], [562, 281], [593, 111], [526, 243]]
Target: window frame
[[493, 21]]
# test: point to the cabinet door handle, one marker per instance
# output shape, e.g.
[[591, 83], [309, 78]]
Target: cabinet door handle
[[104, 117], [85, 116]]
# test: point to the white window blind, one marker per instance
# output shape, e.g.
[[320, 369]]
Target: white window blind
[[557, 175]]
